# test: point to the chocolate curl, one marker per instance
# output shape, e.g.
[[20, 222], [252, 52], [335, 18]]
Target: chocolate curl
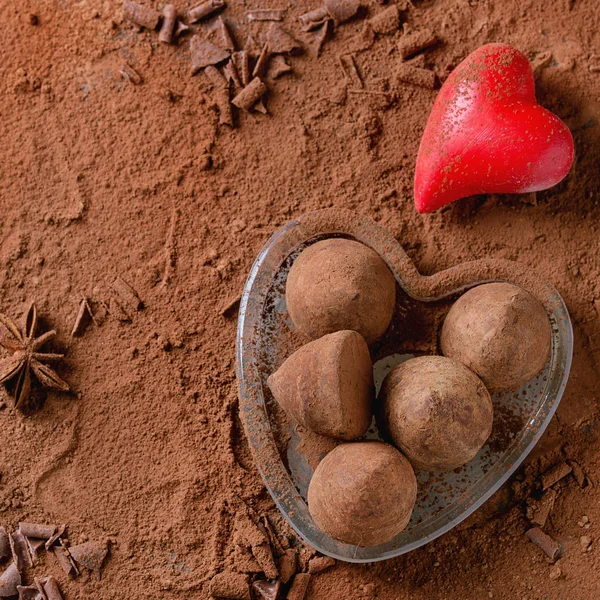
[[242, 65], [65, 561], [34, 546], [544, 542], [28, 592], [4, 544], [168, 25], [90, 555], [250, 95], [220, 36], [281, 42], [278, 67], [59, 533], [221, 87], [416, 76], [228, 584], [262, 63], [181, 28], [299, 587], [414, 43], [266, 14], [9, 581], [231, 74], [51, 589], [313, 19], [323, 34], [554, 475], [205, 54], [204, 9], [342, 10], [267, 590], [387, 21], [141, 15], [19, 550], [35, 530]]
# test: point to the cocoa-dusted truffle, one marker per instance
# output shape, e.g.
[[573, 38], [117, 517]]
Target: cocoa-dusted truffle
[[327, 385], [340, 284], [501, 332], [363, 493], [437, 412]]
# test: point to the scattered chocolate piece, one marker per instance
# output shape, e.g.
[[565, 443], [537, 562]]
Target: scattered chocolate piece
[[585, 542], [231, 74], [230, 585], [4, 544], [28, 592], [413, 43], [90, 555], [117, 311], [40, 588], [555, 573], [578, 473], [387, 21], [260, 69], [350, 70], [221, 87], [264, 556], [261, 107], [299, 587], [181, 28], [220, 36], [141, 15], [64, 560], [53, 539], [167, 28], [252, 47], [34, 545], [416, 76], [313, 19], [287, 565], [271, 534], [554, 475], [323, 34], [320, 563], [20, 551], [543, 541], [35, 530], [278, 67], [51, 589], [342, 10], [250, 95], [544, 508], [267, 590], [364, 40], [34, 19], [266, 14], [204, 9], [281, 42], [242, 65], [9, 581], [205, 53], [131, 75], [127, 294]]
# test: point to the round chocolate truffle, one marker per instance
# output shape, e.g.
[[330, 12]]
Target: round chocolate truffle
[[362, 493], [501, 332], [340, 284], [436, 411]]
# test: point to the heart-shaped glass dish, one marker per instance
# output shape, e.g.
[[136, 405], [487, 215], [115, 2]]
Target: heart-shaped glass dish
[[263, 342]]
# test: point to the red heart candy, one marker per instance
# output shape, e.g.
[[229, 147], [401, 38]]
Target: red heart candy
[[487, 134]]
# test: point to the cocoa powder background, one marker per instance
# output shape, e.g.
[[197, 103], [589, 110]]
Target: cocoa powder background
[[102, 178]]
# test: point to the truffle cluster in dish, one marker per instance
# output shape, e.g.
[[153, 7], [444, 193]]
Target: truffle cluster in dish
[[436, 411]]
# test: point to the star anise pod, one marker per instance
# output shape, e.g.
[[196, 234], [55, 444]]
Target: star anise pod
[[26, 358]]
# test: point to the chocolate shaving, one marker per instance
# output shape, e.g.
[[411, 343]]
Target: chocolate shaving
[[544, 508], [205, 54], [204, 9], [266, 14], [4, 544], [543, 541], [313, 19], [53, 539], [287, 565], [28, 592], [167, 28], [416, 76], [261, 107], [118, 312], [9, 581], [221, 87], [134, 77], [231, 74], [282, 42], [181, 28], [413, 43], [250, 95], [387, 21], [578, 473], [299, 587], [364, 40], [262, 63], [323, 34], [554, 475], [228, 584], [342, 10], [20, 551], [90, 555], [141, 15], [267, 590], [34, 545], [278, 67], [127, 294], [40, 589], [220, 36], [264, 556], [64, 560], [350, 70], [272, 535], [51, 589], [36, 530], [242, 65], [320, 563]]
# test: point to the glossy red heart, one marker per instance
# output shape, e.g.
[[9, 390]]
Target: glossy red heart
[[487, 134]]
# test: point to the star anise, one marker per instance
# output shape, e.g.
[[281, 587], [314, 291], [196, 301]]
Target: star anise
[[26, 358]]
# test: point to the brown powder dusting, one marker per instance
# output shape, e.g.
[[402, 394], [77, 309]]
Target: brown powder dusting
[[104, 179]]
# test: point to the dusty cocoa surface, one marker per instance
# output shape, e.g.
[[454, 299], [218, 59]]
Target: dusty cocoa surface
[[103, 178]]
